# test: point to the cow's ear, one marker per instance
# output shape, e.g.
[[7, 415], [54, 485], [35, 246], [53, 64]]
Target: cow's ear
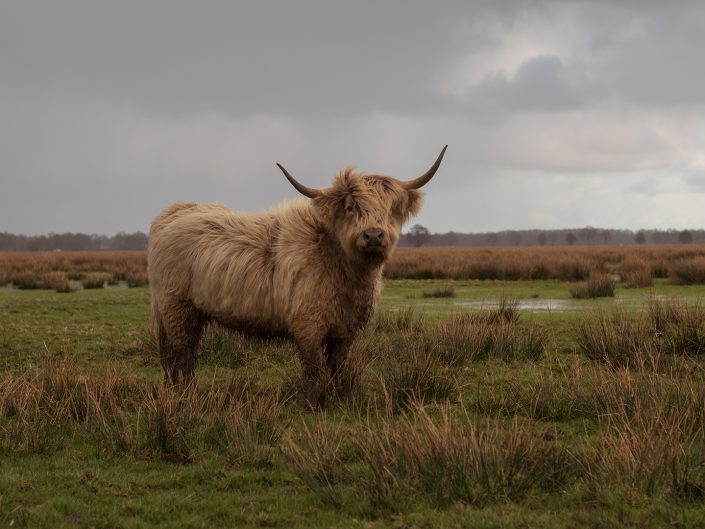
[[414, 202]]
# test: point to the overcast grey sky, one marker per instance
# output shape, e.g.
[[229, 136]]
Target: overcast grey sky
[[557, 114]]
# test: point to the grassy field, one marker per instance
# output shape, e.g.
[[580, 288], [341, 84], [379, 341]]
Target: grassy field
[[470, 404]]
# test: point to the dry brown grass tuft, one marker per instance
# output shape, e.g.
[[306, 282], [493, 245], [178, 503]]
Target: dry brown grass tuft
[[49, 269], [654, 439], [402, 320], [419, 375], [452, 458], [688, 271], [615, 339], [441, 292], [96, 279], [680, 328], [598, 286], [53, 280], [135, 417], [242, 421], [422, 364], [637, 341], [25, 425], [470, 337], [636, 272], [318, 457]]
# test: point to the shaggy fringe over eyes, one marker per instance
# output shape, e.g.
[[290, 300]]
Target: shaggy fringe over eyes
[[389, 195]]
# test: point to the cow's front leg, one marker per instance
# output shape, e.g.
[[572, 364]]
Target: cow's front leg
[[315, 370], [336, 356]]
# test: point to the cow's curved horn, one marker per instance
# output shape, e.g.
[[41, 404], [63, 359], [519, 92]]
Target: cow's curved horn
[[422, 180], [306, 191]]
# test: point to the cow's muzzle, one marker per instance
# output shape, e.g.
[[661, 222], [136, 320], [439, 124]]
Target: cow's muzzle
[[373, 238]]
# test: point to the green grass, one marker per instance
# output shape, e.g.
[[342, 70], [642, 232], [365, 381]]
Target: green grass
[[90, 324], [499, 398]]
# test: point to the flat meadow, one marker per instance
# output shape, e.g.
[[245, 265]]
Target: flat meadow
[[532, 387]]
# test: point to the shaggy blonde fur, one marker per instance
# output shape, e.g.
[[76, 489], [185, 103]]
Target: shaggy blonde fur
[[300, 271]]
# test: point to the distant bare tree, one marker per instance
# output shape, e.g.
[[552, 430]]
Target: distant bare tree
[[590, 233], [541, 239], [640, 237], [516, 238], [685, 237], [570, 238], [491, 239], [606, 236], [419, 235]]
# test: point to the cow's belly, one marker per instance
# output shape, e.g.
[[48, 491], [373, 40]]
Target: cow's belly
[[252, 326]]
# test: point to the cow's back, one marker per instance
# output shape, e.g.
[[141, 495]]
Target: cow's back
[[227, 263]]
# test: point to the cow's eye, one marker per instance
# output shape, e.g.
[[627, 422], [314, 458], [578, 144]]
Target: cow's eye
[[349, 206]]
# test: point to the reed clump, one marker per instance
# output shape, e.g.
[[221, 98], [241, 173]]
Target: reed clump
[[669, 329], [688, 271], [440, 292], [93, 269], [598, 286], [453, 458], [636, 272], [96, 279], [318, 456], [680, 328]]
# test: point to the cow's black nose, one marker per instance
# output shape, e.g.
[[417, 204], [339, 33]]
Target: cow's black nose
[[373, 237]]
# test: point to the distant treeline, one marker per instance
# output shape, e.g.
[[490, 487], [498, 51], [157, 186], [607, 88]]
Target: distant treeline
[[71, 242], [417, 236]]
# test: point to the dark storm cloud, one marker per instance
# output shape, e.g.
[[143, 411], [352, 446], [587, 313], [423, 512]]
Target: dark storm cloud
[[239, 58], [323, 58], [651, 59], [273, 57]]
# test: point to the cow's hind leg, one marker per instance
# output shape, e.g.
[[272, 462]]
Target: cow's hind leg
[[167, 355], [182, 326]]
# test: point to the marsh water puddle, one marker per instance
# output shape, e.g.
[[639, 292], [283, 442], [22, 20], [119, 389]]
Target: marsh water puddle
[[626, 302], [522, 304], [74, 285], [77, 285]]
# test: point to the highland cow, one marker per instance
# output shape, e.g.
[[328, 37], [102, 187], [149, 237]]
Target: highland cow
[[309, 271]]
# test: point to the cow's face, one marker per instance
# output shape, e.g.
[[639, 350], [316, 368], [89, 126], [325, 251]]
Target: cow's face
[[365, 212]]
